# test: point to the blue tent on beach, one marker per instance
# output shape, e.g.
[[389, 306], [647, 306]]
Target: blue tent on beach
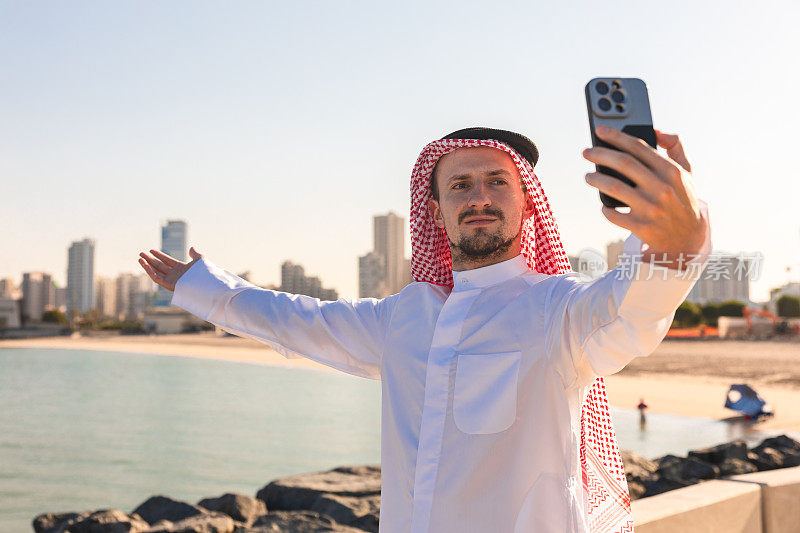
[[743, 398]]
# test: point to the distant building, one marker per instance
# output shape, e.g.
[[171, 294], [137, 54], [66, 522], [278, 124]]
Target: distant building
[[371, 271], [38, 295], [614, 252], [295, 281], [8, 289], [726, 277], [789, 289], [133, 294], [174, 238], [80, 276], [106, 290], [9, 313], [389, 251]]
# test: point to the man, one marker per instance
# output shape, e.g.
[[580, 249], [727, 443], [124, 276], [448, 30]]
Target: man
[[493, 409]]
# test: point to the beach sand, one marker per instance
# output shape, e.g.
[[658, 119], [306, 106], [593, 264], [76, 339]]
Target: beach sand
[[682, 377]]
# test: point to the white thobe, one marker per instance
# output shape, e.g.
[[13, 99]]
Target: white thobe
[[481, 386]]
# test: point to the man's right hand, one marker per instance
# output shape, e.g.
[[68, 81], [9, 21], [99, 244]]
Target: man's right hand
[[166, 270]]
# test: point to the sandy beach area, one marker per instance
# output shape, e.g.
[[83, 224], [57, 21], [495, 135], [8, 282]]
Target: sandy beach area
[[682, 377]]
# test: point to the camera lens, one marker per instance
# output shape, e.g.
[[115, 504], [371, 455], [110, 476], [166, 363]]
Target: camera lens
[[604, 104], [620, 108], [618, 97], [601, 87], [616, 84]]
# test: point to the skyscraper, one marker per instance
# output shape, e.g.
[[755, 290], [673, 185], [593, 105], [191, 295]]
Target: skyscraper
[[80, 276], [37, 289], [376, 280], [173, 243], [389, 242]]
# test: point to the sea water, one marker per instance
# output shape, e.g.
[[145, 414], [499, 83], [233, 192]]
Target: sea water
[[84, 430]]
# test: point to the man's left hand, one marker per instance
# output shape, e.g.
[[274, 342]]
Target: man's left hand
[[664, 210]]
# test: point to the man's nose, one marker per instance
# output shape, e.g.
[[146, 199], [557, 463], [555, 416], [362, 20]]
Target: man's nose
[[479, 196]]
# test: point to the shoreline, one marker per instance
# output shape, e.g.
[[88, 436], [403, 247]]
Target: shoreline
[[666, 386]]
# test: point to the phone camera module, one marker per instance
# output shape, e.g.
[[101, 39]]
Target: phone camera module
[[601, 87], [604, 104], [618, 96]]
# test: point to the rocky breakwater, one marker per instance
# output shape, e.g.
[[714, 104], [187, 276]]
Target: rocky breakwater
[[347, 499], [648, 478]]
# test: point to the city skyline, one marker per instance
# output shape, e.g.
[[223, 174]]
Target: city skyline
[[271, 153], [727, 276]]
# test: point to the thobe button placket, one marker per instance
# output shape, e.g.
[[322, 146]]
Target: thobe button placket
[[446, 336]]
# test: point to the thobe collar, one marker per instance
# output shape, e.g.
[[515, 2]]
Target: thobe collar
[[480, 278]]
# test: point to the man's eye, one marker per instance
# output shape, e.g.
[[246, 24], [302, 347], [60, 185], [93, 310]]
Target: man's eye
[[500, 181], [459, 185]]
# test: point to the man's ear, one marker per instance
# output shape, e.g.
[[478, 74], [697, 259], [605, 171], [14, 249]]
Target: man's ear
[[436, 213], [528, 209]]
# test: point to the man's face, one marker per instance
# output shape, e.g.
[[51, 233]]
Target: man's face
[[481, 203]]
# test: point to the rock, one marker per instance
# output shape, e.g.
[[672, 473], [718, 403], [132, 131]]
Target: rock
[[237, 506], [301, 491], [636, 490], [732, 466], [50, 522], [638, 469], [158, 508], [296, 522], [101, 521], [360, 512], [736, 449], [782, 443], [766, 458], [664, 485], [686, 469], [211, 522]]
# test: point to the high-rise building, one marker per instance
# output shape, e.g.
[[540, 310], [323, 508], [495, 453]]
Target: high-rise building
[[295, 281], [38, 295], [80, 276], [174, 238], [371, 271], [133, 294], [107, 296], [388, 249], [389, 241], [726, 277]]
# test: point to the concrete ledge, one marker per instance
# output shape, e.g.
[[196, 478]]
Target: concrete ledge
[[712, 506], [780, 497]]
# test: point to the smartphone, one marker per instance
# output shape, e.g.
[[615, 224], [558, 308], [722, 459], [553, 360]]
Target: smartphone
[[621, 103]]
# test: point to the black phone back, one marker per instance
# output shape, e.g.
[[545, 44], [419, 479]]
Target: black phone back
[[621, 103]]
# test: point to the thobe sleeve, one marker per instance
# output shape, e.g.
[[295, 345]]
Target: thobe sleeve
[[596, 327], [345, 334]]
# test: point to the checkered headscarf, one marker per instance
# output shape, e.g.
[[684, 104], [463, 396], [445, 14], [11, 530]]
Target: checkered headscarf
[[606, 498]]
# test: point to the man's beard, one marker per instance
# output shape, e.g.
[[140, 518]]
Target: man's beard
[[482, 245]]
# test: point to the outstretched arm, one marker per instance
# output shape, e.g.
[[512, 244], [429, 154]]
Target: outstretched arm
[[597, 327], [346, 334]]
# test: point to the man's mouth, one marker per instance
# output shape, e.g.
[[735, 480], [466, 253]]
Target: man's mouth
[[479, 221]]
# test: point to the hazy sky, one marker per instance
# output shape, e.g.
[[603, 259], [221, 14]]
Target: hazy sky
[[278, 129]]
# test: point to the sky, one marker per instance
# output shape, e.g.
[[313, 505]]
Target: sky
[[278, 129]]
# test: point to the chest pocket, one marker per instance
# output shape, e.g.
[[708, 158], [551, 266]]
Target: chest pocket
[[485, 392]]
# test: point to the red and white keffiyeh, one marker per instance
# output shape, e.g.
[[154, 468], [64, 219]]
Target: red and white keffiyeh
[[606, 498]]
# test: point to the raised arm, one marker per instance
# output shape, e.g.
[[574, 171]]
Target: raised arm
[[346, 334], [596, 327]]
